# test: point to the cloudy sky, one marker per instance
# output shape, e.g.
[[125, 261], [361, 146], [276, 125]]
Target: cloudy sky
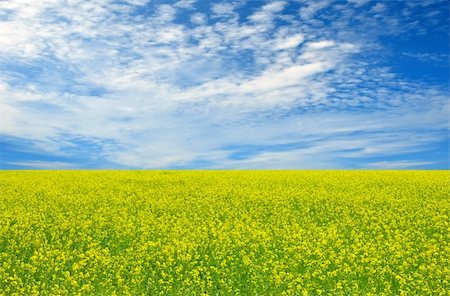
[[224, 85]]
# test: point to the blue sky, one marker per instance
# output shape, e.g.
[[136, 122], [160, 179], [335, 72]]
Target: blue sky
[[188, 84]]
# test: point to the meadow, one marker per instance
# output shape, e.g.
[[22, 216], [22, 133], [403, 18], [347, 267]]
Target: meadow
[[224, 232]]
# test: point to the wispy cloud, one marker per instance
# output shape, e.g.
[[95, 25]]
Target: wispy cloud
[[403, 164], [43, 165], [173, 85]]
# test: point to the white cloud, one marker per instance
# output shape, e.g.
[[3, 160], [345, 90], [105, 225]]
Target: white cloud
[[187, 4], [358, 2], [166, 13], [402, 164], [170, 34], [321, 44], [198, 18], [289, 76], [268, 11], [309, 11], [223, 8], [14, 38], [137, 2], [290, 42], [8, 118], [171, 94], [378, 7], [44, 165]]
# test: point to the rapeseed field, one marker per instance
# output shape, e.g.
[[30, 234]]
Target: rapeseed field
[[224, 232]]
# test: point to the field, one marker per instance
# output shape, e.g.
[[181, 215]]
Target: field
[[224, 232]]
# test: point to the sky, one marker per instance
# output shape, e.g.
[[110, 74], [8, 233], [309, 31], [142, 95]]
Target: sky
[[196, 84]]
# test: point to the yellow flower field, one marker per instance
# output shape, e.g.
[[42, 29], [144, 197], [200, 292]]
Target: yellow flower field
[[224, 232]]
